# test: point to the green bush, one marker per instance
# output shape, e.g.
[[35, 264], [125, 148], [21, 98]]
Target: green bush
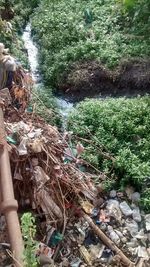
[[69, 31], [118, 128]]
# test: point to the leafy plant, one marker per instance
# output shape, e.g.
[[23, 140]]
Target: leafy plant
[[117, 128], [28, 231], [64, 36]]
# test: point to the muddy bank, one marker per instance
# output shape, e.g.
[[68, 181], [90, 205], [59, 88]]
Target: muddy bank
[[90, 79]]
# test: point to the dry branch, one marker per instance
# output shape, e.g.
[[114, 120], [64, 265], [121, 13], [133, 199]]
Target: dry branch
[[108, 242]]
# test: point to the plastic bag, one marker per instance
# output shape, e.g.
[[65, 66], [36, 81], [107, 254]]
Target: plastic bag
[[126, 210], [114, 210], [136, 214], [113, 235], [22, 149], [147, 222], [132, 227]]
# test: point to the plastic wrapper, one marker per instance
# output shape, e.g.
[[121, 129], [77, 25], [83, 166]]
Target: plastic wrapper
[[87, 206], [136, 214], [142, 252], [113, 235], [147, 222], [125, 208], [136, 197], [85, 255], [114, 210], [132, 227], [22, 148]]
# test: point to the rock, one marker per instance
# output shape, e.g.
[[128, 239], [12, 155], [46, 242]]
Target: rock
[[148, 236], [126, 210]]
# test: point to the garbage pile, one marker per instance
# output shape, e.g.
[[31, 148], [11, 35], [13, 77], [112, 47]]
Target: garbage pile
[[81, 224]]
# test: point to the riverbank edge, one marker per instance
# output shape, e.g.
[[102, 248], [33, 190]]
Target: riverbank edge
[[87, 79]]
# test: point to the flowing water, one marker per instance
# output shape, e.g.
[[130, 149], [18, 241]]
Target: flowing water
[[64, 106], [32, 53]]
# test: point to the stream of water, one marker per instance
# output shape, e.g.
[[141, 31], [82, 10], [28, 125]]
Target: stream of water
[[64, 106]]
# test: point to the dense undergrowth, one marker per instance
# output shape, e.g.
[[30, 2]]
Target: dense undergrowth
[[117, 128], [13, 17], [69, 31]]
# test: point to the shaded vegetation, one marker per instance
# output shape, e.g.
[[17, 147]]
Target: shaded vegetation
[[138, 12], [44, 104], [13, 17]]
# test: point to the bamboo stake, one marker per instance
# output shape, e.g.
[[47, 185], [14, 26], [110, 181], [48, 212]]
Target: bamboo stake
[[108, 242]]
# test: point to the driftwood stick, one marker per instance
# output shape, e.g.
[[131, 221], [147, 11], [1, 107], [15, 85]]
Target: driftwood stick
[[108, 242]]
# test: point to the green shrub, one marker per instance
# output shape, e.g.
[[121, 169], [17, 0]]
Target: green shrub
[[119, 128], [69, 31]]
